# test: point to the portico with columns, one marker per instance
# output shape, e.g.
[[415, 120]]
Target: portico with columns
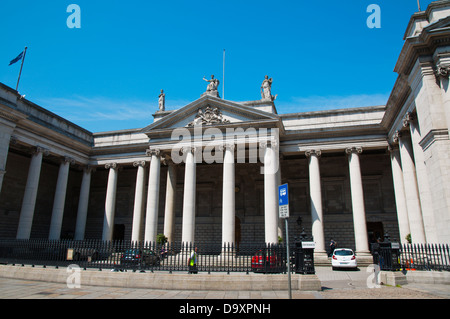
[[209, 171], [223, 186]]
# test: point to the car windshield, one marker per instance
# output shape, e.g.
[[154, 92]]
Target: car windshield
[[343, 252], [132, 252]]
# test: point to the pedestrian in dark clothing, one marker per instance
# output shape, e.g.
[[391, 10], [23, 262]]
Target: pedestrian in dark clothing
[[333, 245]]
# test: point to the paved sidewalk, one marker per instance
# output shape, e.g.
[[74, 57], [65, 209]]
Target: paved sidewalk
[[335, 285]]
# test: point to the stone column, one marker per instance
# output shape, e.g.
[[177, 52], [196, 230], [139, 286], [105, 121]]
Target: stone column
[[60, 199], [83, 203], [228, 197], [151, 219], [411, 189], [423, 184], [188, 227], [136, 233], [171, 192], [110, 202], [29, 198], [5, 139], [399, 190], [359, 212], [316, 204], [270, 192]]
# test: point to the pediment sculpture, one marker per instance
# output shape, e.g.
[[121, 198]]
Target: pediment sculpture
[[209, 116]]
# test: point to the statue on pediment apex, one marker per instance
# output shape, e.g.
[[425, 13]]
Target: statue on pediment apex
[[211, 89]]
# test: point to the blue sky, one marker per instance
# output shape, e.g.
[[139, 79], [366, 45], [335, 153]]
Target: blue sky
[[107, 75]]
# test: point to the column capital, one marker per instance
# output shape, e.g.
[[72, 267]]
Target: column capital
[[227, 145], [153, 151], [392, 148], [67, 159], [167, 160], [111, 165], [310, 153], [189, 149], [396, 137], [13, 140], [265, 144], [353, 150], [39, 149], [409, 117], [89, 169], [442, 71], [139, 163]]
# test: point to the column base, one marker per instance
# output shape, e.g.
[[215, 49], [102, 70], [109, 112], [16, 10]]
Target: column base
[[321, 258], [364, 258]]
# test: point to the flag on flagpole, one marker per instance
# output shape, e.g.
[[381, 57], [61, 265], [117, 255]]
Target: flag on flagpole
[[21, 56], [17, 59]]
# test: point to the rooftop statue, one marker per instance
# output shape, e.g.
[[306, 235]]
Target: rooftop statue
[[266, 88], [213, 84], [162, 101]]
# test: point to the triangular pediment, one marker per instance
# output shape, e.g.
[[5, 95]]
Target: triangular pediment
[[209, 111]]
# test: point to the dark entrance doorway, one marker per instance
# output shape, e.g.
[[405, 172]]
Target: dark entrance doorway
[[375, 232], [119, 232]]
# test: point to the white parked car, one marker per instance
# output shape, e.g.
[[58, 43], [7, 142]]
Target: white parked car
[[343, 258]]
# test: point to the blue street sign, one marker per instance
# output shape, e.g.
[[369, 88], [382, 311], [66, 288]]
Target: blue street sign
[[283, 201], [283, 196]]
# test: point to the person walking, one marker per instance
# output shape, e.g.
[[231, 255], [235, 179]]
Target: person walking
[[193, 259], [333, 245]]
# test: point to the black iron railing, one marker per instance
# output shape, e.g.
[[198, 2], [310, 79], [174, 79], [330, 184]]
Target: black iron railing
[[139, 256], [394, 257], [425, 257]]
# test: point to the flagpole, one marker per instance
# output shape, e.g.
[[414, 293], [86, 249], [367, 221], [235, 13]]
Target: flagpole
[[223, 75], [21, 66], [418, 4]]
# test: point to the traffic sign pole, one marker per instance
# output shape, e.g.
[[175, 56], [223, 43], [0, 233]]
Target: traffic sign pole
[[283, 212], [288, 257]]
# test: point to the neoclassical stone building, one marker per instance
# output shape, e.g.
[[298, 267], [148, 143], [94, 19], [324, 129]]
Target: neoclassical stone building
[[209, 171]]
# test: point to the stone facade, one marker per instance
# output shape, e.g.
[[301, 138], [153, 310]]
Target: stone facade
[[353, 174]]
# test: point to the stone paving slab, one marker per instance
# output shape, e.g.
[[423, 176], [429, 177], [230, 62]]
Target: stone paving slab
[[25, 289], [335, 285]]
